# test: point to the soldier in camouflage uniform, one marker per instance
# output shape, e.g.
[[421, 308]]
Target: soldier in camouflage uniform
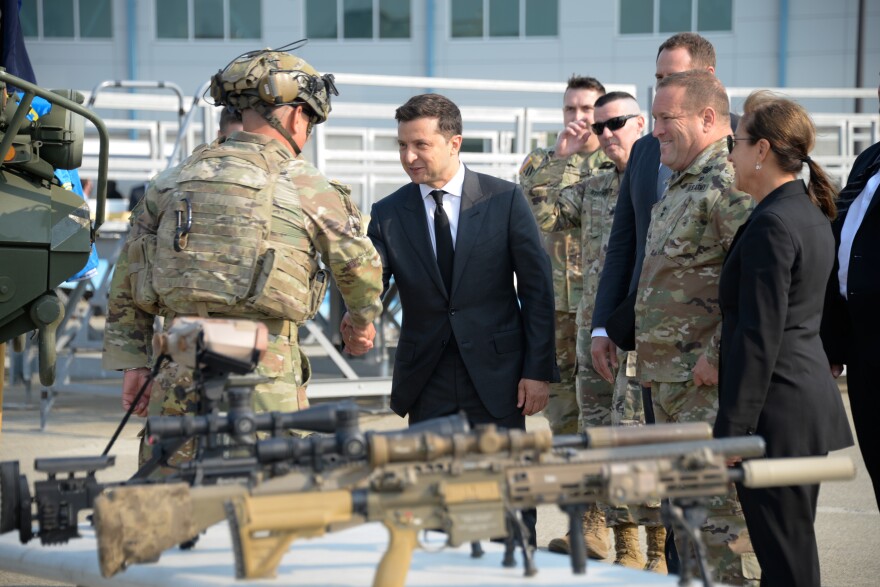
[[255, 175], [589, 206], [575, 157], [678, 319]]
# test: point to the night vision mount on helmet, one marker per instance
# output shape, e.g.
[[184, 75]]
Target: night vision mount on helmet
[[272, 77]]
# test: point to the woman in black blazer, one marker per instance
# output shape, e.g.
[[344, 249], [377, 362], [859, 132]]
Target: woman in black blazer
[[774, 376]]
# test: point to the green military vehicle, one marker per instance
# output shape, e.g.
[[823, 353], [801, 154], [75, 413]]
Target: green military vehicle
[[45, 230]]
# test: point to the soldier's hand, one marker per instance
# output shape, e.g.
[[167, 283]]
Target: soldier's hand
[[532, 396], [357, 340], [704, 373], [604, 353], [836, 370], [132, 381], [572, 139]]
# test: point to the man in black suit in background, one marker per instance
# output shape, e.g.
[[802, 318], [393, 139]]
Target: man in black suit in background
[[454, 240], [851, 321]]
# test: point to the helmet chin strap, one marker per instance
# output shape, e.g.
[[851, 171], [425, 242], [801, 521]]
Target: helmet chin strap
[[276, 124]]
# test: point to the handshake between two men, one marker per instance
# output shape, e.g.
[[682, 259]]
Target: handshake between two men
[[357, 339]]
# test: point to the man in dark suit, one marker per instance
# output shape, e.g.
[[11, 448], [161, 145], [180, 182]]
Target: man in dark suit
[[851, 321], [455, 240]]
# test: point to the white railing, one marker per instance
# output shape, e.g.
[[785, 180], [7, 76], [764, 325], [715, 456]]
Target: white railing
[[358, 144]]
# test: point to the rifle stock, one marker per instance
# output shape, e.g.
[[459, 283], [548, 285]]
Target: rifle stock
[[263, 528], [136, 524], [132, 521]]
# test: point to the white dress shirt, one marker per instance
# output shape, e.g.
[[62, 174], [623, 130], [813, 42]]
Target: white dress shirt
[[851, 225], [451, 204]]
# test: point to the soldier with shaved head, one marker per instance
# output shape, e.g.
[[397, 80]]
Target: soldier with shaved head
[[589, 207]]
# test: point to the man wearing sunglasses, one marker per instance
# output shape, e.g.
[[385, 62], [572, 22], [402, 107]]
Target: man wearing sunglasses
[[575, 157], [589, 206]]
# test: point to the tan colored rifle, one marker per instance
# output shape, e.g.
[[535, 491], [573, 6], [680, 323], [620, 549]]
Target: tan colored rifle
[[136, 523], [469, 499]]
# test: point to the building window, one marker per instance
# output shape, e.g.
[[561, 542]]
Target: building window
[[394, 19], [504, 18], [715, 15], [357, 19], [67, 19], [209, 19], [646, 17]]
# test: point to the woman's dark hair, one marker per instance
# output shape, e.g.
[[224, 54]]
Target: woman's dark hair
[[791, 133]]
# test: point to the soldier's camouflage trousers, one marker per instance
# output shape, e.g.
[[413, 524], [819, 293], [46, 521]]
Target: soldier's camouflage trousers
[[626, 404], [283, 363], [603, 404], [619, 405], [729, 549], [562, 408]]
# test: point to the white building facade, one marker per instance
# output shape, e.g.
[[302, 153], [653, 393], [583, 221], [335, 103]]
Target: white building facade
[[760, 43]]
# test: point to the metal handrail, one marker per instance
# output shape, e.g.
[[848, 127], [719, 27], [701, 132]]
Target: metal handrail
[[184, 125], [155, 84], [152, 85]]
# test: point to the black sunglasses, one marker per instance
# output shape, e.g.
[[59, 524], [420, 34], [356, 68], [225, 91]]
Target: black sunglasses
[[613, 124], [731, 141]]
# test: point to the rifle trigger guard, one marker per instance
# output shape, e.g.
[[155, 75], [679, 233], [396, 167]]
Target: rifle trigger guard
[[183, 228], [424, 544]]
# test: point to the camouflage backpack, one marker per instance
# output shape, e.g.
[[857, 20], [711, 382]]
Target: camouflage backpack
[[214, 250]]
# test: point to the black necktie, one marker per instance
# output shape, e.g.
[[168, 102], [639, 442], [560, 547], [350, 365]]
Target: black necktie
[[443, 236]]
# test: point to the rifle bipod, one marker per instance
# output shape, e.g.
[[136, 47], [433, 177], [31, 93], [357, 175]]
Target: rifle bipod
[[578, 552], [518, 535], [686, 516]]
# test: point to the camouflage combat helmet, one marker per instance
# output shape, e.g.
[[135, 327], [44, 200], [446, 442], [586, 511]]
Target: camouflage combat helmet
[[265, 78]]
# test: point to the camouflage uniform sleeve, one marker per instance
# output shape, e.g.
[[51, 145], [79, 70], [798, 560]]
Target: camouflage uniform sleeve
[[556, 208], [729, 213], [128, 333], [338, 232], [533, 161]]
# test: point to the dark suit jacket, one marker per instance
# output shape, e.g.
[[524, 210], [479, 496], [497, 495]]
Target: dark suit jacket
[[502, 336], [626, 243], [774, 376], [851, 329]]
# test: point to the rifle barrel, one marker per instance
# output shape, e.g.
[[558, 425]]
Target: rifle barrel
[[746, 447], [614, 436], [796, 471]]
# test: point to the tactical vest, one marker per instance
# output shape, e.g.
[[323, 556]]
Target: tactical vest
[[214, 251]]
